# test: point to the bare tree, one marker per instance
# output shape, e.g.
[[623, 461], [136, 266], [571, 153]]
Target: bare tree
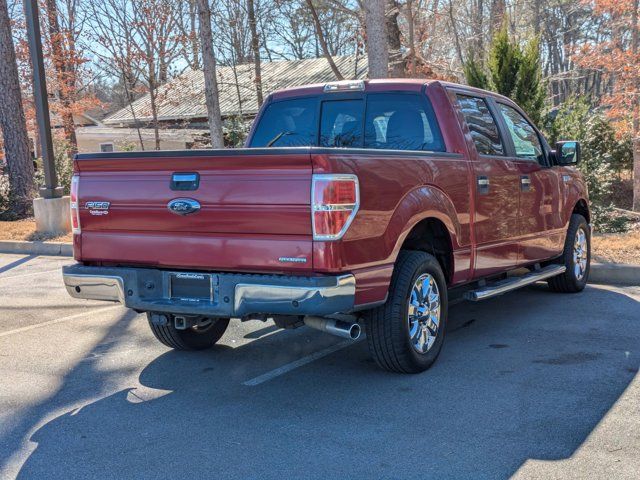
[[210, 79], [64, 59], [111, 42], [374, 13], [12, 122], [322, 41], [187, 24], [255, 46]]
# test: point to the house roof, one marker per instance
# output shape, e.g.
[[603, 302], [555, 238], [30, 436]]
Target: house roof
[[183, 98]]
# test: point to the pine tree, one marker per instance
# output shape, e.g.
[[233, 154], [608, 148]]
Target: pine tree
[[504, 63], [529, 90], [512, 72], [475, 75]]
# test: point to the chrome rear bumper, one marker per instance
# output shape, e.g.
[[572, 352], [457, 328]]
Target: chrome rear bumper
[[233, 295]]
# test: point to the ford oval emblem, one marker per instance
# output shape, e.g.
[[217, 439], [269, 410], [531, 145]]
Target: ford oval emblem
[[183, 206]]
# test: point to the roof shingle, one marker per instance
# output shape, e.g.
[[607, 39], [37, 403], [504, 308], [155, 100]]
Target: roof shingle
[[183, 97]]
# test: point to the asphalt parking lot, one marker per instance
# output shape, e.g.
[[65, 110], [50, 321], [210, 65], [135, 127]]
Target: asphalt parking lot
[[531, 385]]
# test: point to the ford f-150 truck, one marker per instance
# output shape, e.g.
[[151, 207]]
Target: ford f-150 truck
[[355, 204]]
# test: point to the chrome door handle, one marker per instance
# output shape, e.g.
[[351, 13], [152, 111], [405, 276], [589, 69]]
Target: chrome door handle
[[483, 184], [525, 183]]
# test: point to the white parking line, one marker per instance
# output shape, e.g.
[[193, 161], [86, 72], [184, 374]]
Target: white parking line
[[29, 274], [57, 320], [298, 363]]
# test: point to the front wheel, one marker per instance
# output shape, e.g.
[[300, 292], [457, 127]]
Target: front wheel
[[406, 333], [576, 258], [201, 336]]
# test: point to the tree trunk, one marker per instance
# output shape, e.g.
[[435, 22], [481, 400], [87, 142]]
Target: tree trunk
[[396, 63], [378, 55], [210, 79], [255, 46], [496, 16], [412, 38], [13, 125], [323, 43], [195, 46], [635, 45], [64, 75], [636, 174]]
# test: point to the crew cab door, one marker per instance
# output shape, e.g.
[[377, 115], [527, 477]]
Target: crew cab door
[[497, 188], [540, 225]]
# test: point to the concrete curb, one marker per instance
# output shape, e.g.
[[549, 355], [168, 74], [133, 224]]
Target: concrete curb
[[605, 273], [615, 274], [36, 248]]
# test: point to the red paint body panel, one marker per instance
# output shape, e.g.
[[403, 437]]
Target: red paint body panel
[[255, 205]]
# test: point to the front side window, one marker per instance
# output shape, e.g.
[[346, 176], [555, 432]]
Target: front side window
[[482, 125], [398, 121], [287, 123], [341, 123], [525, 139]]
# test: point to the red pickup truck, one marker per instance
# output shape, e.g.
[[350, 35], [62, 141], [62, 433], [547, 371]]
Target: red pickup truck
[[355, 204]]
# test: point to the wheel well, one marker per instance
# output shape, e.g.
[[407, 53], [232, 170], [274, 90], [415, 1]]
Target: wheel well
[[582, 208], [431, 236]]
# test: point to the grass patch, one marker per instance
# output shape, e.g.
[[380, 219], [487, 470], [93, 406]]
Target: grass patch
[[26, 230]]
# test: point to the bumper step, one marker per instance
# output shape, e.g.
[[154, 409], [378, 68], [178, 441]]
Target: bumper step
[[513, 283]]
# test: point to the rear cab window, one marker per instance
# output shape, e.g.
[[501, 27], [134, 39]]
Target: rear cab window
[[287, 123], [381, 121], [401, 121]]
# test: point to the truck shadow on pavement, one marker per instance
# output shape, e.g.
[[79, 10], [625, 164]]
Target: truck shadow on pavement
[[526, 376]]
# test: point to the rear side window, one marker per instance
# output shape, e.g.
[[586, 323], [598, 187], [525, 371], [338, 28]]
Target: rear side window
[[401, 122], [287, 123], [482, 125], [341, 124]]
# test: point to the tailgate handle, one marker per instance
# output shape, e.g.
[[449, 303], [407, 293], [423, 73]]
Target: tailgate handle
[[185, 181]]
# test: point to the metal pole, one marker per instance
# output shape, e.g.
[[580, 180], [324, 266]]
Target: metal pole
[[51, 188]]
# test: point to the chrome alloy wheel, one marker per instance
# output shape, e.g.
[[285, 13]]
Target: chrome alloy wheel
[[580, 248], [424, 313]]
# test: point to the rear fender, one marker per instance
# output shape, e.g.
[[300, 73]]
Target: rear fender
[[419, 204]]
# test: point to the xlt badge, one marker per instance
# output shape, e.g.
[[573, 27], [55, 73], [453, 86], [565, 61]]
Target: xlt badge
[[292, 260]]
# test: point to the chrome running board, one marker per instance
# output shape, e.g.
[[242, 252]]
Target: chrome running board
[[513, 283]]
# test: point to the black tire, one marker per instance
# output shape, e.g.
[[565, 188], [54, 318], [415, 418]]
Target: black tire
[[570, 281], [194, 338], [387, 326]]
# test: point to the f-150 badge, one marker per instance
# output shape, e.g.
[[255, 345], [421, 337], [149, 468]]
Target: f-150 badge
[[98, 208]]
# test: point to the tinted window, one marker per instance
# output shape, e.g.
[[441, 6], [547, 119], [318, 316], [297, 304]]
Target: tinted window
[[481, 124], [525, 139], [288, 123], [341, 124], [401, 122]]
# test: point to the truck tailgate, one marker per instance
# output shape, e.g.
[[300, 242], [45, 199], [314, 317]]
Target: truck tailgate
[[254, 210]]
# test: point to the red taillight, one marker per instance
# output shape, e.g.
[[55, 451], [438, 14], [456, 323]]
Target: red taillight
[[335, 200], [75, 212]]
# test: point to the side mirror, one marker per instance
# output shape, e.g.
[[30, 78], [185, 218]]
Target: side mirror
[[567, 153]]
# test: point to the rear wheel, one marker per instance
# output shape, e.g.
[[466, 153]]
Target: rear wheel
[[406, 333], [576, 258], [201, 336]]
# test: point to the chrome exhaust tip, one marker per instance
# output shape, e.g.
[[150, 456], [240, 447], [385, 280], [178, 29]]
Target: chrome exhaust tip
[[339, 328]]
